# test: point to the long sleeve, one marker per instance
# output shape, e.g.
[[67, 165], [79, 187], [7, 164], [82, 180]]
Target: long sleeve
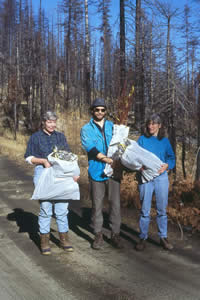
[[170, 156], [31, 149]]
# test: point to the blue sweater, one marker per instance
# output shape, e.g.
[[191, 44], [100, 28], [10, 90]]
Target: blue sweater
[[161, 148]]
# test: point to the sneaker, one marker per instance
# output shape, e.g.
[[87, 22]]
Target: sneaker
[[166, 244], [141, 245], [116, 241], [98, 241]]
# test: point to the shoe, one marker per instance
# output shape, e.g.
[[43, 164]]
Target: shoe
[[116, 241], [44, 244], [166, 244], [141, 245], [98, 241], [64, 242]]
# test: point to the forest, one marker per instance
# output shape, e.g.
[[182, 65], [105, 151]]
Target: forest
[[149, 64]]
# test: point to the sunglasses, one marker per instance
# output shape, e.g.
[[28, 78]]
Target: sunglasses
[[99, 110]]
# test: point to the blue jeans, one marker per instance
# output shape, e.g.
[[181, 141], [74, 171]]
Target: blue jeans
[[159, 186], [60, 208]]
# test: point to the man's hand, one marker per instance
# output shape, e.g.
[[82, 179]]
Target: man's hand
[[76, 178], [109, 161], [163, 168], [104, 158]]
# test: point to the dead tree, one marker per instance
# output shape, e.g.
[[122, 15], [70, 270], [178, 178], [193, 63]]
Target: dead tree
[[122, 47], [87, 56]]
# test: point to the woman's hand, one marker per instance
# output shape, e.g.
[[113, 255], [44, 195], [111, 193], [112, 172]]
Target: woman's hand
[[163, 168], [40, 161], [76, 178], [46, 163], [142, 168]]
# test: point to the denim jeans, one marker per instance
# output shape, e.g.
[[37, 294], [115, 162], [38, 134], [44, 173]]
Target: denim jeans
[[60, 209], [159, 186]]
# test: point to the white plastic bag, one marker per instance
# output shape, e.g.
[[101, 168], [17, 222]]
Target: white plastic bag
[[136, 157], [63, 168], [131, 155], [56, 182], [120, 134]]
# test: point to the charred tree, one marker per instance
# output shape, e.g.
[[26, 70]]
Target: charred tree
[[122, 47]]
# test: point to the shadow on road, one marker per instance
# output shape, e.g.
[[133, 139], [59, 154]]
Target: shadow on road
[[27, 222], [80, 223]]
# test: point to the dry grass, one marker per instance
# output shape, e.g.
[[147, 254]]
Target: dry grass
[[11, 148], [15, 150], [70, 124]]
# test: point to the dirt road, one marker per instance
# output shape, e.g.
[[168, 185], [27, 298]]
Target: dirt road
[[86, 273]]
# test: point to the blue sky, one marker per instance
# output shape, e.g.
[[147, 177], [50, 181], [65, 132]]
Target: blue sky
[[50, 6], [176, 36]]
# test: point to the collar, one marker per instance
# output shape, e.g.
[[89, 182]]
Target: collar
[[93, 121], [43, 132]]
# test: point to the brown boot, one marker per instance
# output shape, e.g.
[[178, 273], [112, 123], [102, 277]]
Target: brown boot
[[44, 244], [116, 241], [98, 241], [166, 244], [64, 242], [141, 245]]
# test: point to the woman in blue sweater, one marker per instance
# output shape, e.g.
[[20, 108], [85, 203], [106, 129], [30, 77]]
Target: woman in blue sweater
[[154, 141]]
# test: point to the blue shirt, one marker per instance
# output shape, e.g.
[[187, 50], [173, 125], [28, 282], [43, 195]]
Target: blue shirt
[[161, 148], [41, 144], [94, 141]]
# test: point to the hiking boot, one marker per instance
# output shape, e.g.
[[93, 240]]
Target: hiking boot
[[64, 242], [141, 245], [116, 241], [166, 244], [98, 241], [44, 244]]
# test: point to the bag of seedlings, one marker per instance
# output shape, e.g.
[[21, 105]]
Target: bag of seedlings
[[56, 182]]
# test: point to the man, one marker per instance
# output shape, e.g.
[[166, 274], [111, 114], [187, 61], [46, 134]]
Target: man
[[40, 145], [95, 137]]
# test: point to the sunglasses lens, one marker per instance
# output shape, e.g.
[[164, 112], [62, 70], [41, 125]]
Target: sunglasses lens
[[98, 110]]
